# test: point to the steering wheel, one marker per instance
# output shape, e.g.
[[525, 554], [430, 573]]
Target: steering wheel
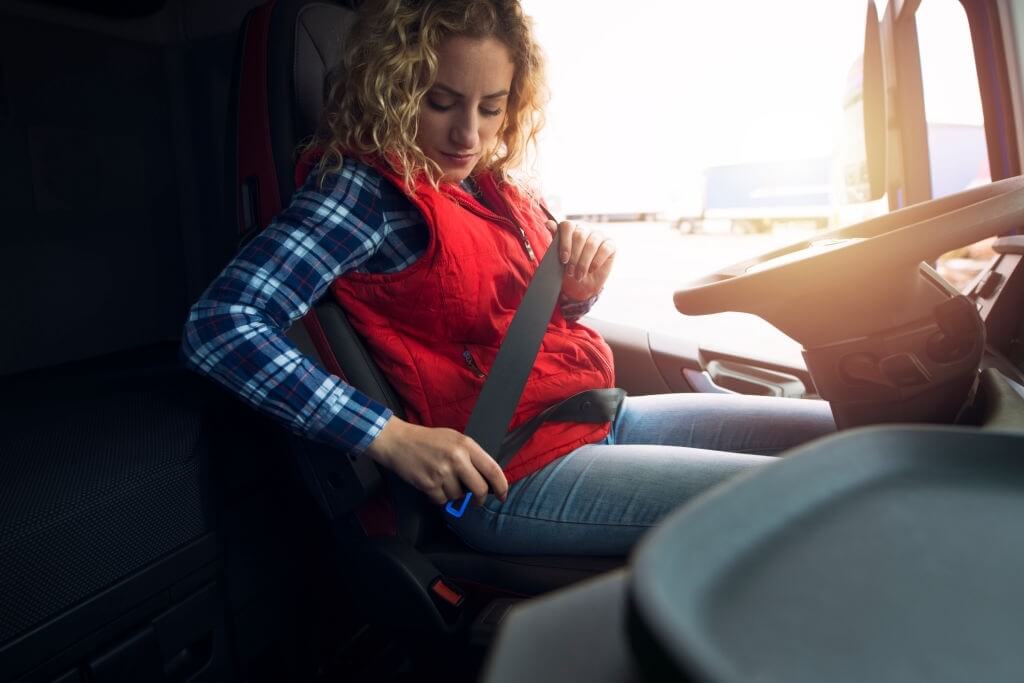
[[865, 268], [885, 338]]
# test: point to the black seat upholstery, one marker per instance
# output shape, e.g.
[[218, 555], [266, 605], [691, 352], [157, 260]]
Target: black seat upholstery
[[302, 41], [101, 476]]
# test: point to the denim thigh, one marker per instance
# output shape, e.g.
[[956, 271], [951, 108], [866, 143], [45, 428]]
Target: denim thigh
[[662, 451]]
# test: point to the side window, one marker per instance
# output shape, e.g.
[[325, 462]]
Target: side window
[[958, 158]]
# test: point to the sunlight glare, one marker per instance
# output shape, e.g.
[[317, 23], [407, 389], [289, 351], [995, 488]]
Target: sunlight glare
[[643, 100]]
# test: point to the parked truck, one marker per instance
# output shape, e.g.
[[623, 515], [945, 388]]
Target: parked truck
[[815, 193], [758, 196]]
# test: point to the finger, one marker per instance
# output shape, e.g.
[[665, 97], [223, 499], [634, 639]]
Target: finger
[[436, 496], [472, 481], [452, 490], [552, 226], [491, 471], [579, 239], [585, 265], [603, 258], [565, 232]]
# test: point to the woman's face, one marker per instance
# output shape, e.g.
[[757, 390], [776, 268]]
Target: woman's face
[[463, 111]]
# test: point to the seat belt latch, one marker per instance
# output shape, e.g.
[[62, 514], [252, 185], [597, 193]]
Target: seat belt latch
[[457, 508]]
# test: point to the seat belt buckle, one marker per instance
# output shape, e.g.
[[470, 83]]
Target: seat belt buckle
[[457, 508]]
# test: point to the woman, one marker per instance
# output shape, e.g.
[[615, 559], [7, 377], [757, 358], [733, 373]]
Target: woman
[[409, 219]]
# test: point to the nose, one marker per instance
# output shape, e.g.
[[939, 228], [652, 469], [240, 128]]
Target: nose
[[465, 130]]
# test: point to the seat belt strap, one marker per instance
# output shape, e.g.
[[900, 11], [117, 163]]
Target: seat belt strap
[[488, 423], [593, 405]]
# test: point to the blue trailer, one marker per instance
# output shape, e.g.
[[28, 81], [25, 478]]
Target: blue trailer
[[757, 196]]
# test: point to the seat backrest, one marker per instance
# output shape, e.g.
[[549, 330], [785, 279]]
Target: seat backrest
[[289, 48]]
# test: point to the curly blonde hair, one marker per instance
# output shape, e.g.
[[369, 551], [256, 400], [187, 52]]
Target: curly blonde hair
[[372, 107]]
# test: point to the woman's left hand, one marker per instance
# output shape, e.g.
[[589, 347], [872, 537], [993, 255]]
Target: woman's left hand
[[588, 256]]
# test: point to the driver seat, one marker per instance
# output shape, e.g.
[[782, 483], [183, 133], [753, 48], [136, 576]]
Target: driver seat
[[410, 568]]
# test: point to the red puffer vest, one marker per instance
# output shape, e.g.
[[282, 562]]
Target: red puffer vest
[[434, 328]]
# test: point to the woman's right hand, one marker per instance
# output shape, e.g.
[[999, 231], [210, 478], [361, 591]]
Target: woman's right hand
[[440, 462]]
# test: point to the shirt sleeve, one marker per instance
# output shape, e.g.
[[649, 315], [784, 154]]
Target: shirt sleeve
[[235, 332], [574, 309]]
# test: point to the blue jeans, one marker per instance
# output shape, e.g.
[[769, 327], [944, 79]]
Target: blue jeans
[[662, 451]]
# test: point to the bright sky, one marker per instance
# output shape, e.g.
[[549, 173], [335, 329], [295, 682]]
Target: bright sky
[[648, 93]]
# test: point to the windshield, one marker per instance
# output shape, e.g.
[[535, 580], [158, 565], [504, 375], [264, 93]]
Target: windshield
[[697, 140]]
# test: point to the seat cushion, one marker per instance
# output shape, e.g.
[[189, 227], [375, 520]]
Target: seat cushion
[[101, 477]]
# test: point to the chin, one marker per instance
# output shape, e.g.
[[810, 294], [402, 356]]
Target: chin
[[455, 177]]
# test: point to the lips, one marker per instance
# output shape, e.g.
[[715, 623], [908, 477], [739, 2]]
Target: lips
[[459, 159]]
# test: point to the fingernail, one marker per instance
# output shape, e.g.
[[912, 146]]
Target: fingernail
[[564, 256], [569, 271]]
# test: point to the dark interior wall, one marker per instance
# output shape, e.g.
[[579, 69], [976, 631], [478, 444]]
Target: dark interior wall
[[115, 206]]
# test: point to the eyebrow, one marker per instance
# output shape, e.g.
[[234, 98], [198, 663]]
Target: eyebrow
[[456, 93]]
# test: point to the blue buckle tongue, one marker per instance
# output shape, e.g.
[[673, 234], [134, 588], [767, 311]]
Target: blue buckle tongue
[[456, 508]]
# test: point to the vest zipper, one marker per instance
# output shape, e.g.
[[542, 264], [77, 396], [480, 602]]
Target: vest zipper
[[490, 215], [522, 233], [471, 362], [526, 245]]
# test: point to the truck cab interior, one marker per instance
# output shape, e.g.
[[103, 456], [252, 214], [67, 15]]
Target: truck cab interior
[[152, 528]]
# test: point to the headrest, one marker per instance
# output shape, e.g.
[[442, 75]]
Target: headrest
[[320, 31], [305, 41]]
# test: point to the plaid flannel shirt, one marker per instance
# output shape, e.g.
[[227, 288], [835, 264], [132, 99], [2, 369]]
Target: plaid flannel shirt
[[354, 221]]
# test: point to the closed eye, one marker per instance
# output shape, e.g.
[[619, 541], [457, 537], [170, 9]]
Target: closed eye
[[442, 107], [438, 106]]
